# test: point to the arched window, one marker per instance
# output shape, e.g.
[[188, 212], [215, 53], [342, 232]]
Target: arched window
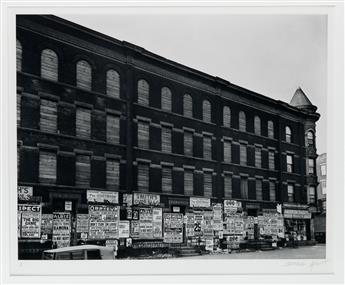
[[242, 124], [49, 65], [113, 83], [310, 138], [206, 111], [187, 106], [270, 129], [143, 92], [257, 125], [166, 99], [288, 134], [19, 55], [226, 117], [84, 75]]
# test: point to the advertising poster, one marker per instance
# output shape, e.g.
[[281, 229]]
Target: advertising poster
[[231, 207], [127, 200], [157, 222], [146, 199], [217, 217], [124, 229], [198, 223], [189, 217], [30, 220], [173, 228], [199, 202], [129, 213], [113, 243], [145, 223], [25, 193], [61, 229], [207, 226], [104, 221], [82, 223], [135, 214], [47, 224], [94, 196], [135, 231], [209, 244]]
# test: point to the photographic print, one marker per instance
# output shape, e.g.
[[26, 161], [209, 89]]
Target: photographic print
[[171, 136]]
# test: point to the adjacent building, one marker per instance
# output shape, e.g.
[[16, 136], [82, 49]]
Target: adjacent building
[[95, 113], [320, 218]]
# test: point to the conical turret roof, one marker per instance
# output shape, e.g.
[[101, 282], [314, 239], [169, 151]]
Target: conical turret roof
[[300, 100]]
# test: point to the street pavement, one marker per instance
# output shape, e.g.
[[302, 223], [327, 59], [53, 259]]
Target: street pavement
[[304, 252]]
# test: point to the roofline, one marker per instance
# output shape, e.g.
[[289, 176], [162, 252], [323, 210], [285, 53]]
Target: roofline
[[137, 49]]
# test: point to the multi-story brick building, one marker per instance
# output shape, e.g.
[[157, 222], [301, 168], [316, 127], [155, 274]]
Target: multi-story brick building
[[98, 113]]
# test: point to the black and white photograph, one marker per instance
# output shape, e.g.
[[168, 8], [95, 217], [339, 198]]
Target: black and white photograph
[[172, 137]]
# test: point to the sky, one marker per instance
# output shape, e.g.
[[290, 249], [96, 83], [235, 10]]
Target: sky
[[269, 54]]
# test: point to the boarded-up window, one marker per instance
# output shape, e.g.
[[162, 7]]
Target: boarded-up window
[[311, 194], [207, 147], [48, 116], [187, 106], [258, 189], [188, 182], [166, 179], [113, 83], [143, 92], [291, 192], [244, 187], [143, 177], [242, 123], [83, 123], [288, 134], [166, 99], [227, 151], [19, 55], [113, 129], [19, 100], [226, 117], [206, 111], [49, 65], [47, 167], [208, 184], [188, 143], [113, 174], [143, 134], [258, 157], [272, 186], [289, 163], [227, 186], [271, 160], [82, 170], [243, 154], [166, 139], [84, 75], [257, 125], [311, 166], [270, 129]]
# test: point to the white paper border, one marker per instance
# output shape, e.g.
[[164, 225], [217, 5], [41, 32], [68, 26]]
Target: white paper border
[[152, 271]]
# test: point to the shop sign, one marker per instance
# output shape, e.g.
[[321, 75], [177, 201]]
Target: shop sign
[[295, 206], [82, 223], [25, 192], [173, 228], [29, 220], [123, 229], [61, 229], [149, 244], [195, 202], [135, 230], [47, 224], [146, 199], [178, 202], [209, 244], [103, 221], [157, 222], [68, 205], [95, 196], [296, 214], [127, 199]]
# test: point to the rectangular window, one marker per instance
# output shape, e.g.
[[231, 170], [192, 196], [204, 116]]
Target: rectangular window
[[227, 151], [208, 184], [166, 179], [113, 174], [207, 147], [258, 157], [323, 170], [188, 182], [47, 167], [272, 191], [291, 192], [311, 194], [323, 186], [83, 123], [113, 129], [18, 109], [311, 166], [258, 189], [271, 160], [166, 139], [289, 163], [48, 116], [188, 143], [243, 154], [227, 186], [83, 170], [143, 177], [143, 134], [244, 187]]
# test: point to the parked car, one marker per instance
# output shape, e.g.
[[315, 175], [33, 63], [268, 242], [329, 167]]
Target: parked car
[[79, 252]]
